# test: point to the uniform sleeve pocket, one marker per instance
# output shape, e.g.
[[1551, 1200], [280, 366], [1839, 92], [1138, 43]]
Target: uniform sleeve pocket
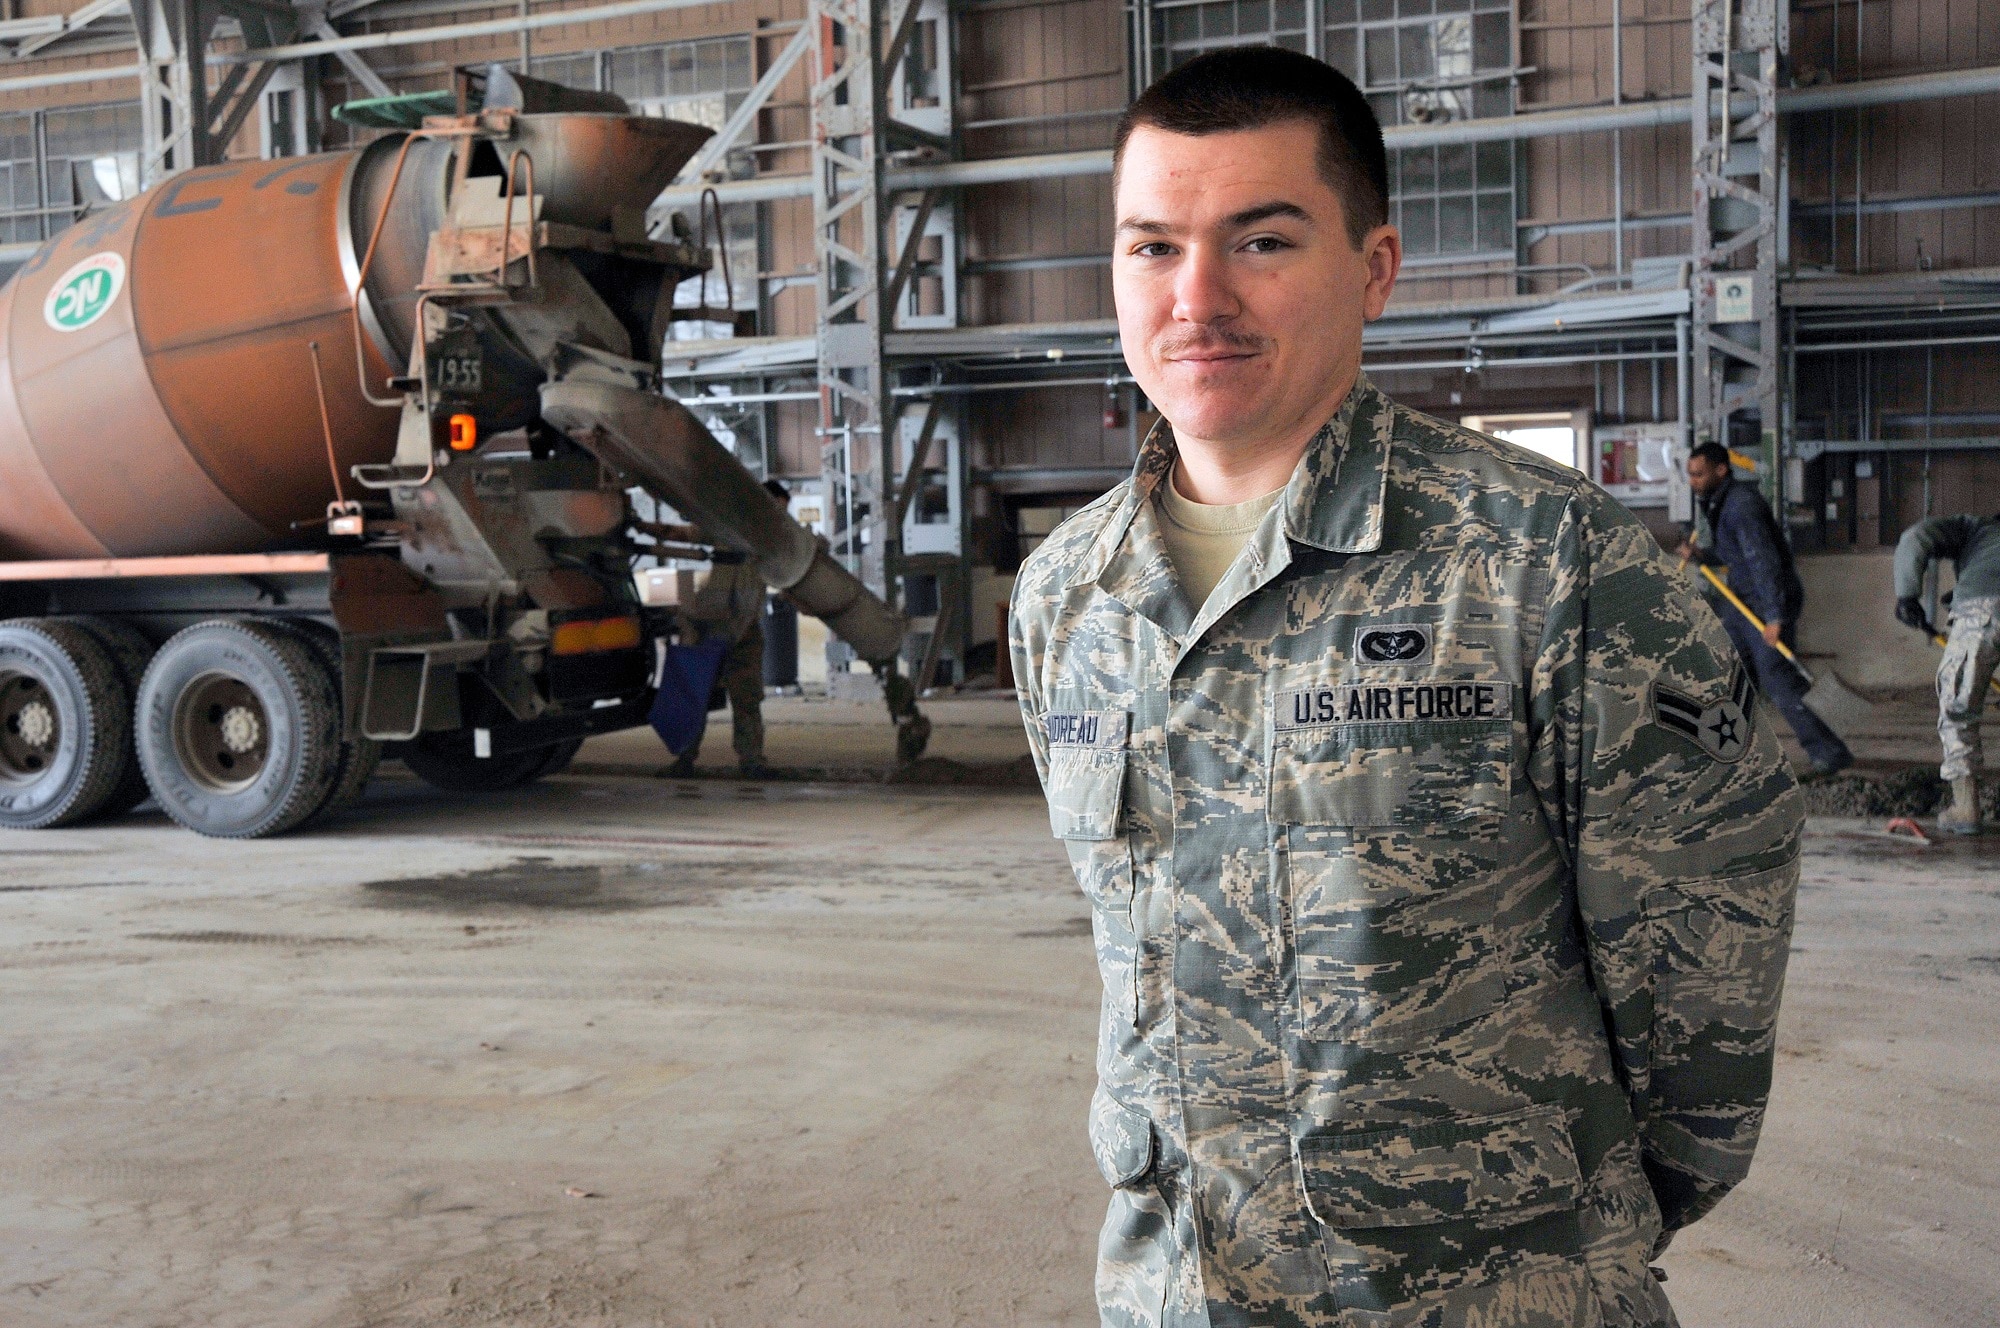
[[1421, 774], [1121, 1140], [1086, 790], [1519, 1164]]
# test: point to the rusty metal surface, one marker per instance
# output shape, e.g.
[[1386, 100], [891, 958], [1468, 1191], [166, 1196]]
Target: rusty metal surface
[[183, 418], [236, 270], [35, 519], [92, 417], [420, 201], [586, 165], [225, 564]]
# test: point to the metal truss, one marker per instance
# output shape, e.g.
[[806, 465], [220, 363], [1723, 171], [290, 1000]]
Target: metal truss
[[869, 99], [1739, 181]]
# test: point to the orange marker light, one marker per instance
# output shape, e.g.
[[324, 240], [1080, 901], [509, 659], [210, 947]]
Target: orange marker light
[[590, 635], [464, 433]]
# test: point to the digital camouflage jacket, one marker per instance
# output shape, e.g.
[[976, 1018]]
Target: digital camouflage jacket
[[1441, 875]]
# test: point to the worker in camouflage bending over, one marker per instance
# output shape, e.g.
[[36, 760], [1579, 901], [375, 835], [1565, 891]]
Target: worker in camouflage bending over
[[1440, 863], [1972, 647]]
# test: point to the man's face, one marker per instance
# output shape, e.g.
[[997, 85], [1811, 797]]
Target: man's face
[[1703, 477], [1240, 295]]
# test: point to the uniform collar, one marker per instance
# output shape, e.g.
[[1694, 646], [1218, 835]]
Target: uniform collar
[[1333, 501]]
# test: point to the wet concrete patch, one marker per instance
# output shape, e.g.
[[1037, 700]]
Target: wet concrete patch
[[541, 885]]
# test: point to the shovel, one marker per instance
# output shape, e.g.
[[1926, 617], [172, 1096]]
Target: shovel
[[1826, 696]]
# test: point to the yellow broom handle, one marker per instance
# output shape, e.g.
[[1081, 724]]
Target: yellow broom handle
[[1744, 609]]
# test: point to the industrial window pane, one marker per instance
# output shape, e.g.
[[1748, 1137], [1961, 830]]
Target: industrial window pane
[[1489, 40], [1413, 8], [1419, 170], [1382, 60], [1496, 221], [1290, 15], [1456, 232], [1454, 47], [1217, 21], [572, 71], [1496, 164], [1455, 166], [1339, 50], [1291, 41], [1419, 225], [1414, 42], [1181, 25], [1375, 10], [1253, 17], [1337, 12]]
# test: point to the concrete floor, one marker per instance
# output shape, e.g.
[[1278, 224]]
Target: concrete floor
[[619, 1051]]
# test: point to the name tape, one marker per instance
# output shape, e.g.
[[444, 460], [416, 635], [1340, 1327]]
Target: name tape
[[1362, 703], [1086, 728]]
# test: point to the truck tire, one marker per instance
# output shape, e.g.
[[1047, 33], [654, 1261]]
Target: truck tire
[[445, 760], [239, 729], [131, 652], [358, 756], [65, 725]]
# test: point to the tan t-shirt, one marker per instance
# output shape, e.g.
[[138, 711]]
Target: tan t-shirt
[[1204, 540]]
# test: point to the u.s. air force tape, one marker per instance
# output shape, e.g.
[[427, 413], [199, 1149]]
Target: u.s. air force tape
[[1364, 703], [1086, 728]]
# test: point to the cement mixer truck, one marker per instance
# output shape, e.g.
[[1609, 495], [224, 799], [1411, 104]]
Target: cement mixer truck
[[308, 460]]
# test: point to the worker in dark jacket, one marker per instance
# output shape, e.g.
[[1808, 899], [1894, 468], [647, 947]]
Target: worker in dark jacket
[[1971, 650], [1743, 538]]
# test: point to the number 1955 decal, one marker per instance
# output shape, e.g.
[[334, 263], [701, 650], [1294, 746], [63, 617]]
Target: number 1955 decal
[[82, 294]]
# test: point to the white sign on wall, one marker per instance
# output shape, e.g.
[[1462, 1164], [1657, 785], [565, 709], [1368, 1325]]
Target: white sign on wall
[[1736, 298]]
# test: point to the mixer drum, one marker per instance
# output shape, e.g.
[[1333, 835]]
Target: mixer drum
[[156, 376]]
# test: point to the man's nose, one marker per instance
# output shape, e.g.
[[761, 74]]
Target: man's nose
[[1202, 292]]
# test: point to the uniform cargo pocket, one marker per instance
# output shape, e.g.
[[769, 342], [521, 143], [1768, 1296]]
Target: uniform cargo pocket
[[1121, 1140], [1460, 1221], [1390, 848]]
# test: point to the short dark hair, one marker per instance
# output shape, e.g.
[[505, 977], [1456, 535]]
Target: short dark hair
[[1715, 454], [1251, 87]]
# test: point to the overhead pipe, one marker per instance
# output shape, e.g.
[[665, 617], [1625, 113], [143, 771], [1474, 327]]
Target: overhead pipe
[[1497, 129]]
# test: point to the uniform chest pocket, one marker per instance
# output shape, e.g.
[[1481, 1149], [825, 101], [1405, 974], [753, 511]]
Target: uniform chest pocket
[[1390, 837]]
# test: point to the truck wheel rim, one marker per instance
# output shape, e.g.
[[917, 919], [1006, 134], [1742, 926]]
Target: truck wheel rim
[[30, 728], [222, 734]]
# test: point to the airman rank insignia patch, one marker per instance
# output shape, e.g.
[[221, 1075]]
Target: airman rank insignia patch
[[1722, 729], [1394, 643]]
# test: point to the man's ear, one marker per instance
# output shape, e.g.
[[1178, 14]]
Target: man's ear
[[1382, 251]]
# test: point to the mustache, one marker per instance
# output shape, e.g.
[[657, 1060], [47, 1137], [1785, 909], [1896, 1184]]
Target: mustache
[[1207, 340]]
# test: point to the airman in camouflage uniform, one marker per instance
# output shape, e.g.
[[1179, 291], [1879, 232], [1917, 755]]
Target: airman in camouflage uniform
[[1441, 872]]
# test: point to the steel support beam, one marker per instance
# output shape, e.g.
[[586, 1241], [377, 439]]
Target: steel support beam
[[1499, 128], [1740, 48]]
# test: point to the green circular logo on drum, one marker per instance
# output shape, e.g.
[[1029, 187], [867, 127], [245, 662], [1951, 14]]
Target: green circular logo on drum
[[82, 294]]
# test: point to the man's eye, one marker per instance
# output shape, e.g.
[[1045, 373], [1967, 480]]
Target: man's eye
[[1153, 249], [1266, 244]]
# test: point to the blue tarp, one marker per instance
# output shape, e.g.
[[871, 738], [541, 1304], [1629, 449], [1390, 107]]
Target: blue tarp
[[680, 710]]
